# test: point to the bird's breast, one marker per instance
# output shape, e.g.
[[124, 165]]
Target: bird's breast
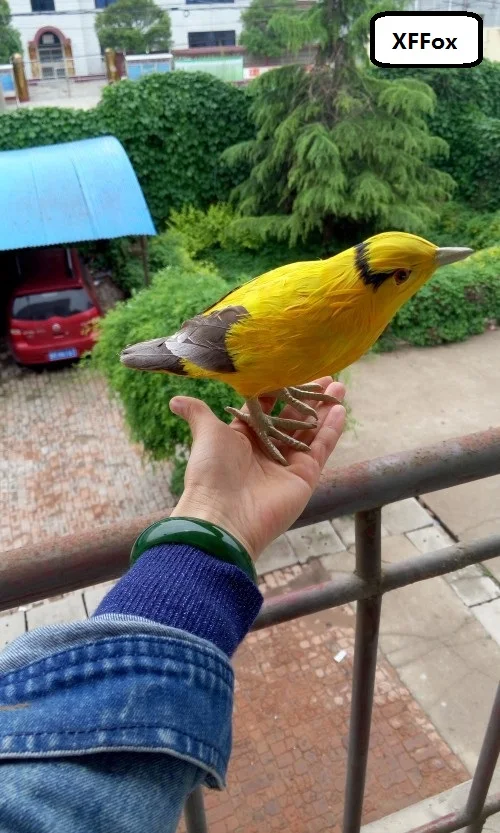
[[300, 343]]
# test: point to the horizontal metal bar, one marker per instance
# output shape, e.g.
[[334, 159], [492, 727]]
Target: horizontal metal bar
[[352, 587], [459, 819], [407, 474], [58, 565]]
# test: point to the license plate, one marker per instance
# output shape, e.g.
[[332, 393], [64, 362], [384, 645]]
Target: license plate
[[69, 353]]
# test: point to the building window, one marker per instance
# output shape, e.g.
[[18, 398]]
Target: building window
[[202, 39], [189, 2], [103, 4], [42, 6]]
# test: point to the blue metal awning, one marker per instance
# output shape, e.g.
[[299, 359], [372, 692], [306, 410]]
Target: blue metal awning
[[68, 193]]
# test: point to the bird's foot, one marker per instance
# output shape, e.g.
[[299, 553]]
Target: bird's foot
[[267, 427], [313, 391], [295, 395]]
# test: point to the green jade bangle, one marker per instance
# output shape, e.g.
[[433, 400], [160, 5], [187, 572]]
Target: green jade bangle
[[206, 536]]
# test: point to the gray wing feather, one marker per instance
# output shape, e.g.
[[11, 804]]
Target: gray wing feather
[[202, 339]]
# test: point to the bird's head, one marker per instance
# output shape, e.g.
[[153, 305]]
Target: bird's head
[[394, 265]]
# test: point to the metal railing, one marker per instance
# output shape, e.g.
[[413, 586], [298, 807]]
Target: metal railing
[[76, 561]]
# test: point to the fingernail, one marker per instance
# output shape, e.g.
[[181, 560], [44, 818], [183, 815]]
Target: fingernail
[[338, 390], [176, 405], [336, 417]]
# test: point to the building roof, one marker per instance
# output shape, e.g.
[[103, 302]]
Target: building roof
[[68, 193]]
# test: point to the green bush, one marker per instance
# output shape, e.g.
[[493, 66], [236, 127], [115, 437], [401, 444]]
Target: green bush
[[215, 237], [461, 225], [174, 127], [174, 296], [47, 126], [456, 303], [202, 229], [168, 249]]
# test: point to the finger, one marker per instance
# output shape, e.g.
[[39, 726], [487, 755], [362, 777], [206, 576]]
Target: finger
[[335, 389], [328, 434], [195, 412]]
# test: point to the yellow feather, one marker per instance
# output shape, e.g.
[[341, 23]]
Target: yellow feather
[[311, 319]]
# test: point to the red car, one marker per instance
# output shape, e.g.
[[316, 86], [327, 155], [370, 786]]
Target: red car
[[53, 308]]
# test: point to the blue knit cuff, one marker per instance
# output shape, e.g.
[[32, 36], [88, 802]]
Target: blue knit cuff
[[185, 588]]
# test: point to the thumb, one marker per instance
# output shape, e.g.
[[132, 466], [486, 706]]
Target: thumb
[[195, 412]]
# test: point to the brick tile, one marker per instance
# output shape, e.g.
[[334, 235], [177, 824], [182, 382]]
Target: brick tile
[[278, 555], [68, 609], [405, 516], [93, 596], [397, 548], [12, 625], [315, 540], [476, 590], [344, 527], [432, 538], [110, 480]]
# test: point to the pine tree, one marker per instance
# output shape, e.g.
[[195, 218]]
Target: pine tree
[[10, 39], [257, 35], [338, 147]]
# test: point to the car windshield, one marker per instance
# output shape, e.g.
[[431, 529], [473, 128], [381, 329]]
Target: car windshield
[[44, 305]]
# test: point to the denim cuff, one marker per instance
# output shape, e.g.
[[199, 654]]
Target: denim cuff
[[116, 682]]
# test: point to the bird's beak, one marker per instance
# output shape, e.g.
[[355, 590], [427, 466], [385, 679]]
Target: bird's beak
[[450, 254]]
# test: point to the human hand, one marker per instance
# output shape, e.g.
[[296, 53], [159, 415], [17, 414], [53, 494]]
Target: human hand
[[231, 482]]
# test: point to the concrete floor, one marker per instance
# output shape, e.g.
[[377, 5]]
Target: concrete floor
[[419, 396]]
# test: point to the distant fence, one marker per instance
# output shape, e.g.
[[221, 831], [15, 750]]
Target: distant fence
[[78, 76]]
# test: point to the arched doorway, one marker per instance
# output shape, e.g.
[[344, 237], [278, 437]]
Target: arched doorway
[[51, 55]]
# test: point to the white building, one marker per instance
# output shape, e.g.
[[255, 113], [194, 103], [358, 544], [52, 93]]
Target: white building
[[59, 35]]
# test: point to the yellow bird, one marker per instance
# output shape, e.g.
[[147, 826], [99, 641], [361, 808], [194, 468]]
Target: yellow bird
[[296, 323]]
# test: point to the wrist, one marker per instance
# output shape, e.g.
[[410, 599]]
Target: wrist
[[208, 508]]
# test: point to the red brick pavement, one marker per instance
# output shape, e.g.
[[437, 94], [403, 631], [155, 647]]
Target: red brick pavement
[[290, 731], [66, 460]]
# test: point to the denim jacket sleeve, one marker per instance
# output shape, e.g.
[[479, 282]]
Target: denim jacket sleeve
[[108, 724]]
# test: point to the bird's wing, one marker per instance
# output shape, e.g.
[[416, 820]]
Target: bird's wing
[[202, 339]]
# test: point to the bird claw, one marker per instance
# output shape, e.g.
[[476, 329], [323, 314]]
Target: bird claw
[[311, 392], [285, 395], [267, 427]]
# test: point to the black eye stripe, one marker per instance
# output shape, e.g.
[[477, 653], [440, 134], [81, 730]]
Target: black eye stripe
[[367, 275]]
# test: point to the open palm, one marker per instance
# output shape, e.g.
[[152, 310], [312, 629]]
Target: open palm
[[231, 482]]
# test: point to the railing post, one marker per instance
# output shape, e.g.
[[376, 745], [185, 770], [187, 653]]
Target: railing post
[[368, 568], [194, 813], [488, 757]]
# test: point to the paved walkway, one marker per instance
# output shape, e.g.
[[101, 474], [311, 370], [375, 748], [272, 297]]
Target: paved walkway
[[66, 462]]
